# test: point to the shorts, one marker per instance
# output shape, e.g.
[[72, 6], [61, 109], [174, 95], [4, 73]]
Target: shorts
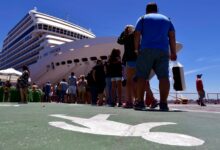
[[72, 90], [201, 94], [116, 78], [155, 59], [131, 64], [81, 89]]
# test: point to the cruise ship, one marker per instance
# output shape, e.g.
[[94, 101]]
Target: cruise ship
[[53, 48]]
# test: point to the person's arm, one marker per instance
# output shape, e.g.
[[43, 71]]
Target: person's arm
[[93, 74], [121, 39], [172, 42], [137, 37]]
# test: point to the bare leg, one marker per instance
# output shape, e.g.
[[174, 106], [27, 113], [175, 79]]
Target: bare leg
[[140, 89], [22, 95], [113, 91], [130, 85], [164, 86], [26, 94], [119, 89]]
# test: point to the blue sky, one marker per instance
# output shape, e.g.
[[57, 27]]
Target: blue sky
[[196, 22]]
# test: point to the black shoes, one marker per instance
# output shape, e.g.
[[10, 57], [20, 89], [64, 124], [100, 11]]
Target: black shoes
[[200, 103], [119, 104], [139, 105], [164, 107], [154, 104], [128, 105]]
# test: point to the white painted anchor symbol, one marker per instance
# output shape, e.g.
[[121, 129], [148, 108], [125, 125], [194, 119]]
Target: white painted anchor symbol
[[101, 126]]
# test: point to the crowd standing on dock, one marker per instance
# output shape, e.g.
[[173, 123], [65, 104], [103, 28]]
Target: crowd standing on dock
[[146, 48]]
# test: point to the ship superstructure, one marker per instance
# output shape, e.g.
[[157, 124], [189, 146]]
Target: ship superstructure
[[34, 33]]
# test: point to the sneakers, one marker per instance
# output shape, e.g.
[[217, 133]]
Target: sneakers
[[128, 105], [113, 104], [99, 102], [164, 107], [200, 103], [139, 105], [154, 104], [119, 104]]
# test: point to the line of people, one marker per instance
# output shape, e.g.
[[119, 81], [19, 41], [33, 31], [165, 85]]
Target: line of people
[[146, 48], [71, 90]]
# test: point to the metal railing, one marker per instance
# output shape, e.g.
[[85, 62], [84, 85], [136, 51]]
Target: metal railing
[[191, 97]]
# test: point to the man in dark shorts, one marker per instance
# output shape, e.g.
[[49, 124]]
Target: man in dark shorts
[[154, 33]]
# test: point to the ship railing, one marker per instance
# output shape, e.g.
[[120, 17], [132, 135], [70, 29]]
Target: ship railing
[[191, 97]]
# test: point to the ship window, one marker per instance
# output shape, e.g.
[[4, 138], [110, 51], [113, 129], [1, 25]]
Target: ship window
[[76, 60], [39, 26], [58, 30], [64, 31], [69, 61], [54, 29], [103, 57], [78, 36], [84, 59], [50, 28], [71, 33], [63, 62], [45, 27], [75, 35], [93, 58], [61, 31], [68, 32], [57, 64]]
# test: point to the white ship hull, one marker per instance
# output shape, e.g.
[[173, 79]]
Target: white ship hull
[[46, 68]]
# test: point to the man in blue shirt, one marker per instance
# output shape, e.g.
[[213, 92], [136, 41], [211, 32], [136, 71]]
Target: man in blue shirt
[[154, 34]]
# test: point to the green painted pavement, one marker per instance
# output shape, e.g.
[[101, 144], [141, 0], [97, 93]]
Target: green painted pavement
[[26, 127]]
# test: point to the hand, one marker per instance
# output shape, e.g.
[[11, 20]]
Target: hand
[[173, 56], [136, 52]]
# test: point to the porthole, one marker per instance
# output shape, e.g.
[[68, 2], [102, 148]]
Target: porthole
[[103, 57], [84, 59], [63, 62], [69, 61], [93, 58], [76, 60]]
